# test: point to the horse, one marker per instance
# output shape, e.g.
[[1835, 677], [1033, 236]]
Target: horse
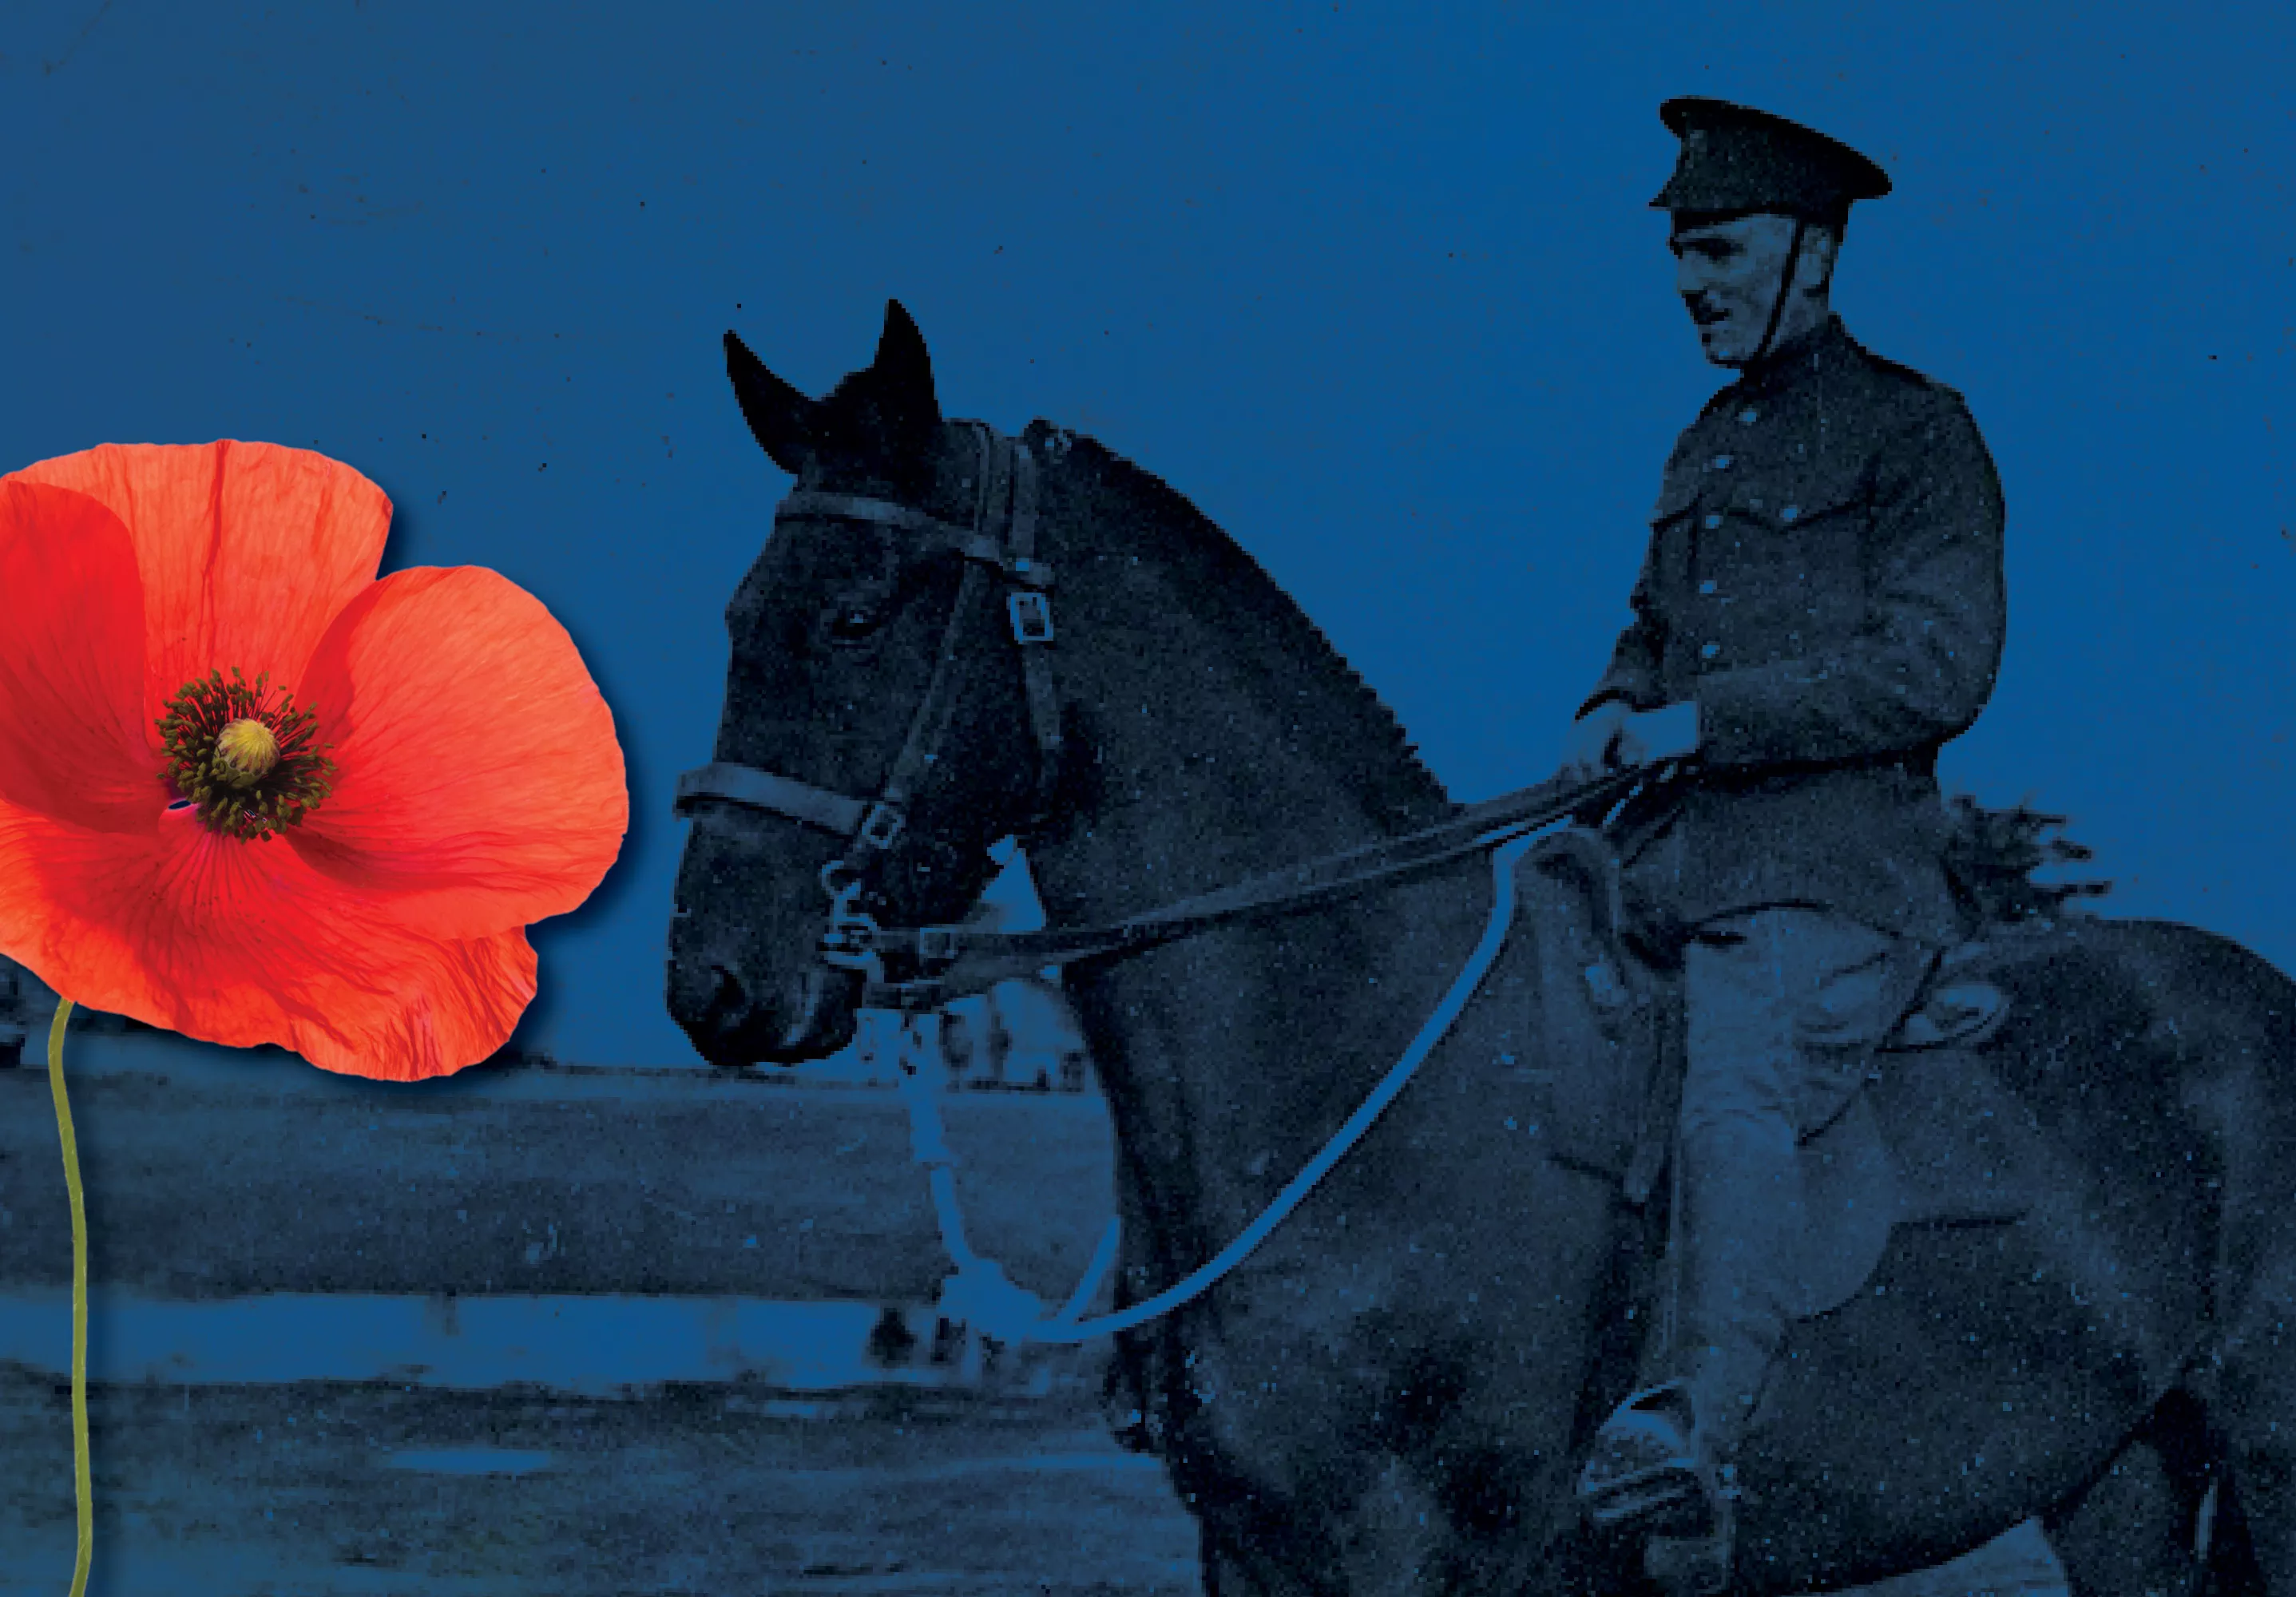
[[1390, 1395]]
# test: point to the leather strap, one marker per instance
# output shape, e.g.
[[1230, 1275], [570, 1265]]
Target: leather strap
[[1006, 492], [929, 530], [929, 725], [974, 959], [969, 960], [1032, 634], [817, 807], [1786, 287]]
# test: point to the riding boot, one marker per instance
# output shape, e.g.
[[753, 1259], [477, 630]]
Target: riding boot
[[1745, 1209], [1664, 1462]]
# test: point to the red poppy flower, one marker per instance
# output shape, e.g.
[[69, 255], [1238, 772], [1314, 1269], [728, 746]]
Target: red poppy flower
[[250, 793]]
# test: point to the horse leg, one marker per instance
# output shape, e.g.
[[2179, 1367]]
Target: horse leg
[[2255, 1536], [1398, 1543], [1223, 1573], [2252, 1397], [1232, 1568], [2134, 1529]]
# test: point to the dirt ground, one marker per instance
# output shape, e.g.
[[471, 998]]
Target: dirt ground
[[210, 1178], [376, 1491], [364, 1490]]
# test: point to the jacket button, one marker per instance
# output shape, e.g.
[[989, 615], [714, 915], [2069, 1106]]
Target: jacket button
[[1790, 512], [1708, 650], [1707, 586], [1749, 416], [1722, 461], [1713, 521]]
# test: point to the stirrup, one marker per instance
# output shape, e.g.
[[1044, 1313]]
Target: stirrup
[[1644, 1474]]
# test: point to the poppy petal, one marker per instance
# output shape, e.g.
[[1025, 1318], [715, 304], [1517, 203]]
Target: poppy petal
[[480, 785], [248, 551], [242, 943], [74, 744]]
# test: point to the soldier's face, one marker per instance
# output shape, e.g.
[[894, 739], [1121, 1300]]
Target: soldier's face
[[1728, 273]]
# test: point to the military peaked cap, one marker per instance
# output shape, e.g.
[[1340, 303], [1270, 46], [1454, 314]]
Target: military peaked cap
[[1736, 159]]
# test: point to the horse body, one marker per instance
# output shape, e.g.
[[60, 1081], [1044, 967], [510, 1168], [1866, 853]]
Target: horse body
[[1386, 1397]]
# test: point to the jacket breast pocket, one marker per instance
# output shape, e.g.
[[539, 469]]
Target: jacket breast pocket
[[1813, 536]]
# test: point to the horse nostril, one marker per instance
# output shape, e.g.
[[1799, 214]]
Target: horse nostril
[[702, 994], [728, 997]]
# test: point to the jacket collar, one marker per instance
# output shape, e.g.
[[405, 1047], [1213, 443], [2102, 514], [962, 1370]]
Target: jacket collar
[[1828, 348]]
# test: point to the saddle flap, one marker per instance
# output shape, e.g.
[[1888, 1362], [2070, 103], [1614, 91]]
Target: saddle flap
[[1965, 1148], [1598, 1024]]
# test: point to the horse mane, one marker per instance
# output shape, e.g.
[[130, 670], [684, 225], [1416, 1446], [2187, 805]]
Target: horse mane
[[1243, 601], [1992, 854]]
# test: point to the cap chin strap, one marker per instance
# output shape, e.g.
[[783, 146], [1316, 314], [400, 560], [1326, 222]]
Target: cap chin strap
[[1785, 289]]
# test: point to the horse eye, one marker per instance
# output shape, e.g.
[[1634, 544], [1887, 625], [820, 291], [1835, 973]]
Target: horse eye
[[854, 623]]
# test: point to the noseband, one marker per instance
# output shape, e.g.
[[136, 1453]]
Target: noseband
[[999, 547]]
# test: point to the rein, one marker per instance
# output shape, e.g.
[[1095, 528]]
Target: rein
[[963, 960], [980, 1294], [974, 959]]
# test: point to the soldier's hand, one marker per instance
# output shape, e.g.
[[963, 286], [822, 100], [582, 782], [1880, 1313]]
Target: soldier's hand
[[1588, 751], [1651, 737]]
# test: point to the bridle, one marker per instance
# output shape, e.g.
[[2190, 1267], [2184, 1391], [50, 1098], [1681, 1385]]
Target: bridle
[[942, 963], [999, 547]]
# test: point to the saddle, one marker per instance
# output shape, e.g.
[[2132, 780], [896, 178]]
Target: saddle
[[1918, 1127]]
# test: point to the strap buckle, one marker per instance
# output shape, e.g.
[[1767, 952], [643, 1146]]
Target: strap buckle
[[1032, 616], [848, 940], [851, 944], [881, 825]]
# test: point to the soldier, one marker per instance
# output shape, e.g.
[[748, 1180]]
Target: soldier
[[1821, 610]]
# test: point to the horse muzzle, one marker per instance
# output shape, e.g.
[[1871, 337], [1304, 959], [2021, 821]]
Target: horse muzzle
[[732, 1027]]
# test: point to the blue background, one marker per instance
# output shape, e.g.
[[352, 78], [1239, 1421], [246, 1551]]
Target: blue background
[[1377, 288]]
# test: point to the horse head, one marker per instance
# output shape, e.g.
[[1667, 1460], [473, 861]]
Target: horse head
[[874, 745]]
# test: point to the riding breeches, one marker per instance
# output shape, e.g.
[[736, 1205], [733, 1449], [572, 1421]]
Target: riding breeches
[[1785, 1007]]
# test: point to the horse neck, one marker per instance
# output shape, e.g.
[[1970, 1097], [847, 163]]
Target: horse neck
[[1223, 739], [1224, 735], [1202, 771]]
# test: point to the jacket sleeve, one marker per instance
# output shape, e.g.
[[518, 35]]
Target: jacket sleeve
[[1634, 672], [1923, 665]]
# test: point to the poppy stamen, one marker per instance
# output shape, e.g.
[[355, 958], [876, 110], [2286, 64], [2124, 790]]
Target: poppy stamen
[[248, 763], [245, 752]]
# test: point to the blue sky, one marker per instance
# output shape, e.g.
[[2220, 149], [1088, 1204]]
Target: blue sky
[[1375, 284]]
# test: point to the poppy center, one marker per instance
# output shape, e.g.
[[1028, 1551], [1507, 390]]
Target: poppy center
[[244, 755], [245, 752]]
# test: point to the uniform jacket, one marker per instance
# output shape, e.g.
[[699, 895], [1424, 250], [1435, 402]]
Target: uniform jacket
[[1825, 579]]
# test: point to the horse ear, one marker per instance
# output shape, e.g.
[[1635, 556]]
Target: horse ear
[[782, 419], [904, 371]]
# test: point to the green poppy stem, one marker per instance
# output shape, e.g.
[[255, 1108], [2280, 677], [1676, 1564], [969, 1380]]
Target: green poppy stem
[[80, 1485]]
